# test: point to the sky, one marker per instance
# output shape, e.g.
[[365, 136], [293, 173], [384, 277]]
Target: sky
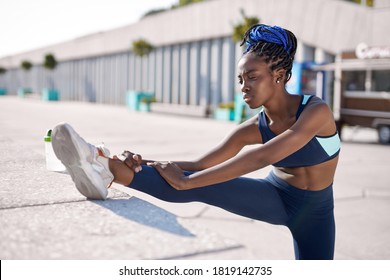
[[30, 24]]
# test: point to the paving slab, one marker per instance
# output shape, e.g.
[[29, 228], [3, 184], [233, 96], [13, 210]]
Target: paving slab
[[118, 228]]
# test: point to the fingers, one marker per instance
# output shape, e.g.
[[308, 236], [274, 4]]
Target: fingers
[[164, 166], [170, 172], [160, 164], [133, 161]]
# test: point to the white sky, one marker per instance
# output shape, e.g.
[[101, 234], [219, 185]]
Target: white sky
[[29, 24]]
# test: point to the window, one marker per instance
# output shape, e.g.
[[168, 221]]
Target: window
[[354, 80], [381, 80]]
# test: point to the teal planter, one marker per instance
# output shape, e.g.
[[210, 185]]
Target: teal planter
[[224, 114], [144, 107], [22, 92], [239, 108], [50, 95], [3, 91], [134, 98]]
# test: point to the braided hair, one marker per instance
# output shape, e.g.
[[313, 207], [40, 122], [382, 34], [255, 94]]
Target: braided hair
[[277, 46]]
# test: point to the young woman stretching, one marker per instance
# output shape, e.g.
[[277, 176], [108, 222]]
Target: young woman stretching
[[296, 134]]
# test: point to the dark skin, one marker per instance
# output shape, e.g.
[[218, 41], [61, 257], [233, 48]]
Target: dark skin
[[260, 86]]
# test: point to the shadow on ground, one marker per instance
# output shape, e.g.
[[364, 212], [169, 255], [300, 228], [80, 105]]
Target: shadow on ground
[[145, 213]]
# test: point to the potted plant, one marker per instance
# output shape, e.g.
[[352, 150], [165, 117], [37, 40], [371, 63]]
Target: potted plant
[[144, 104], [26, 66], [50, 93], [3, 91], [142, 47], [240, 28], [224, 112], [135, 99]]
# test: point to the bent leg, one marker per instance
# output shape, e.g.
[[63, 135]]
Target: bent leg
[[252, 198], [311, 220], [315, 239]]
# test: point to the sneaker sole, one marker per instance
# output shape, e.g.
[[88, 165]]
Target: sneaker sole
[[88, 182]]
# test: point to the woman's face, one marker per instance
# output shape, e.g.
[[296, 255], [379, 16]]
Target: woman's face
[[256, 80]]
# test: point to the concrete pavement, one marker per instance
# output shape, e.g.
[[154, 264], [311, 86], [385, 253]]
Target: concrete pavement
[[42, 215]]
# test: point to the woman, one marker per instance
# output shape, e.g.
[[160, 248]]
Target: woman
[[296, 134]]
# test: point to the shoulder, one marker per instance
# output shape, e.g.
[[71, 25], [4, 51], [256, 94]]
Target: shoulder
[[317, 117], [317, 106]]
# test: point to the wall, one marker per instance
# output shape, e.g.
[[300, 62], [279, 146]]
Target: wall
[[195, 59], [196, 73]]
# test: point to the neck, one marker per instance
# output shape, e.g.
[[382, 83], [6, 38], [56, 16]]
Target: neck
[[281, 107]]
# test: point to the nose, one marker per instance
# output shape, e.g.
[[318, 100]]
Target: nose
[[244, 87]]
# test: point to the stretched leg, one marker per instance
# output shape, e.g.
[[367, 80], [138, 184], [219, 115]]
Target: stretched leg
[[122, 174], [252, 198], [92, 172]]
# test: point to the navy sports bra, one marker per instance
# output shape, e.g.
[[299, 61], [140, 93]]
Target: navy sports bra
[[319, 149]]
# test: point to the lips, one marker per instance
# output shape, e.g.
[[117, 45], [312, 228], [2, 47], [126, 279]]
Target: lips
[[246, 97]]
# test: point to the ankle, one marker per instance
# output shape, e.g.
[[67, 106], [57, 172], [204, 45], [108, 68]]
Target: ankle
[[122, 173]]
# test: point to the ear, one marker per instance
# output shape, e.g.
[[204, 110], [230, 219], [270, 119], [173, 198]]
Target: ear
[[279, 75]]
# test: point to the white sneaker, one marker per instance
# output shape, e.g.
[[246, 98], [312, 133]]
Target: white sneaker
[[88, 170]]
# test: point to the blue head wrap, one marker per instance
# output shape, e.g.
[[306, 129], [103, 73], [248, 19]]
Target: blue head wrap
[[270, 34]]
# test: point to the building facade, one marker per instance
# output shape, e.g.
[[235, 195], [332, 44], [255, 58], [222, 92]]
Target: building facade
[[194, 60]]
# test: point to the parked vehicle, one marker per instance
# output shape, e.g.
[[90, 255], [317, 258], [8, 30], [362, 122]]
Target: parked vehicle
[[361, 95]]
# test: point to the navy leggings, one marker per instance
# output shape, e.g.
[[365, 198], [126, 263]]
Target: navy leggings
[[308, 214]]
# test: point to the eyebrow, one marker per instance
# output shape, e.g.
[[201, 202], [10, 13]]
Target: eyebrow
[[247, 72]]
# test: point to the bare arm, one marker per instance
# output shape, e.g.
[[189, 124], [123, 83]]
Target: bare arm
[[312, 122], [244, 134]]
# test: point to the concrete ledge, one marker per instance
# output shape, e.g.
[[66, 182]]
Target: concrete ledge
[[177, 109]]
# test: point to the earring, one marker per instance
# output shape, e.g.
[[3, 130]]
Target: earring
[[277, 81]]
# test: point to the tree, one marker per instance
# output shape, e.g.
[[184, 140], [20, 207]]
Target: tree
[[181, 3], [26, 65], [50, 62], [153, 12], [142, 47], [187, 2], [240, 28]]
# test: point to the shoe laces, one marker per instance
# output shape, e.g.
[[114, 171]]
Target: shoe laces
[[102, 149]]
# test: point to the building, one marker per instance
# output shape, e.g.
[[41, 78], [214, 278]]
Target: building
[[193, 63]]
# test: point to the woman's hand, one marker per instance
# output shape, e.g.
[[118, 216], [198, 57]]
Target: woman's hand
[[172, 173], [133, 161]]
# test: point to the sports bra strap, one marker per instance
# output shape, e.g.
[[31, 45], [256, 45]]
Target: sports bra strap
[[304, 100]]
